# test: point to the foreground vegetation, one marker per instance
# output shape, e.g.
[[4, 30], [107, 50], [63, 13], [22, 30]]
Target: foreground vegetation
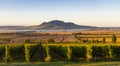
[[62, 64], [59, 52]]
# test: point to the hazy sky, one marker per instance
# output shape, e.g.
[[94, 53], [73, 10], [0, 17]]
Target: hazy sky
[[83, 12]]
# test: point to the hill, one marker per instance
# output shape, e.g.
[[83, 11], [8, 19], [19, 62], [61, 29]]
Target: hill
[[57, 24]]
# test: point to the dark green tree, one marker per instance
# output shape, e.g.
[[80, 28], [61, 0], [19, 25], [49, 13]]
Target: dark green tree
[[104, 40], [114, 38]]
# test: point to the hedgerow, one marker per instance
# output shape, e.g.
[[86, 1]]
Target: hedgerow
[[34, 52], [16, 52], [115, 50], [56, 52], [2, 53], [100, 52], [79, 52]]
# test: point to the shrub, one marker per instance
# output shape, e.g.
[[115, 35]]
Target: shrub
[[29, 51], [39, 54], [104, 40], [7, 54], [16, 52], [58, 52], [69, 53], [115, 52], [2, 53], [84, 41], [79, 52], [34, 52], [114, 38], [48, 57], [88, 54], [100, 52]]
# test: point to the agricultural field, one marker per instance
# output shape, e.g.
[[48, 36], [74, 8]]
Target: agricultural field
[[36, 37], [97, 36], [64, 49], [18, 38]]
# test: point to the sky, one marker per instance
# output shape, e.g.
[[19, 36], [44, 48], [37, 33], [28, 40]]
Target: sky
[[102, 13]]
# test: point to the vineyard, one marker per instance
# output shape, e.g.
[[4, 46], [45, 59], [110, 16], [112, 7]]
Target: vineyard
[[59, 52]]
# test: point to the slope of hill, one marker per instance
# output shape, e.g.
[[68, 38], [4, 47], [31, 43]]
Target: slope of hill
[[57, 24]]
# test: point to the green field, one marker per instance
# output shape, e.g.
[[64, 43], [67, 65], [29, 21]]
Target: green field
[[62, 64]]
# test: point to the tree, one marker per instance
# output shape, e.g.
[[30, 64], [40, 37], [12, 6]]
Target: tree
[[114, 38], [104, 40]]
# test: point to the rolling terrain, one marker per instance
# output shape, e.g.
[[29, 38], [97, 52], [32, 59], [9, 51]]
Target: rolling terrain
[[52, 25]]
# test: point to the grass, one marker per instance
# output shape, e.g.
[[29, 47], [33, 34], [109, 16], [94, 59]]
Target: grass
[[62, 64]]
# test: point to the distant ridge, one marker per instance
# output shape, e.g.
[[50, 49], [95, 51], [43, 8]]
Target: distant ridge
[[57, 24], [12, 27]]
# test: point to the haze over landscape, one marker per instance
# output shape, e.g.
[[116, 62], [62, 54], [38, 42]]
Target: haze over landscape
[[59, 32], [82, 12]]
